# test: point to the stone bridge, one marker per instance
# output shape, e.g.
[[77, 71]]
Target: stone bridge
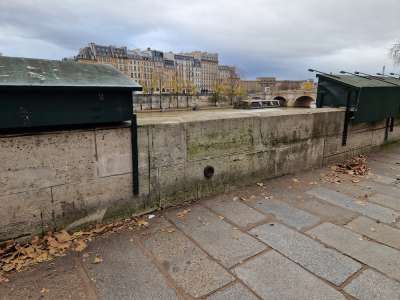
[[295, 98]]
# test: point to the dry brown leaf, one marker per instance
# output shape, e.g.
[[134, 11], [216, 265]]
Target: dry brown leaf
[[183, 213], [3, 279], [97, 260], [79, 245], [221, 217], [63, 236], [44, 291], [295, 180], [260, 184], [142, 222]]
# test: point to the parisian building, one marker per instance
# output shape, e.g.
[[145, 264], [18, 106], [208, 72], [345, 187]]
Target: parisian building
[[165, 72]]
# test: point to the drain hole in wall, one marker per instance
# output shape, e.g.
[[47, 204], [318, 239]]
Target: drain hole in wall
[[208, 172]]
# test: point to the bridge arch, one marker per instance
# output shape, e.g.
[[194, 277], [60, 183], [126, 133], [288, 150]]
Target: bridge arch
[[303, 101], [282, 101]]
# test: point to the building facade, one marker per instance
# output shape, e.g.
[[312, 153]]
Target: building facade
[[264, 84], [162, 72]]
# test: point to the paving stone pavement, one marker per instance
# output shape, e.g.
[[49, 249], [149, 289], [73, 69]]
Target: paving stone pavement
[[291, 238]]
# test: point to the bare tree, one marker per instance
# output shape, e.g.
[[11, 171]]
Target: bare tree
[[395, 53]]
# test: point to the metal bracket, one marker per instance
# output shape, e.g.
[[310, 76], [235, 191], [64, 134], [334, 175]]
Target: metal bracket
[[135, 156], [391, 124], [347, 118]]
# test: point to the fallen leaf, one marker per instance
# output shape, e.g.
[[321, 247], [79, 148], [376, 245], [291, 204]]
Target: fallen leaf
[[3, 279], [151, 217], [243, 199], [295, 180], [355, 180], [183, 213], [260, 184], [221, 217], [142, 222], [63, 236], [97, 260], [44, 291], [79, 245]]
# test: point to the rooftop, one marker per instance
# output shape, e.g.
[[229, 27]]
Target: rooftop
[[16, 71]]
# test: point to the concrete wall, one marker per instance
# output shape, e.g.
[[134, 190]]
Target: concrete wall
[[147, 102], [63, 179]]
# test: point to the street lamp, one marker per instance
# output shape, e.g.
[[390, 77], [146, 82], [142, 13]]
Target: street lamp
[[376, 78], [320, 72]]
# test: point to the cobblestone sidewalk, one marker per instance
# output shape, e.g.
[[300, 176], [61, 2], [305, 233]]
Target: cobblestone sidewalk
[[295, 237]]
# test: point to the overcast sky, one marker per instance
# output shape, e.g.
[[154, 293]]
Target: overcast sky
[[281, 38]]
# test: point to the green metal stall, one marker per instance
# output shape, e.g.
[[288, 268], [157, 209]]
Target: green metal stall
[[366, 98], [37, 95]]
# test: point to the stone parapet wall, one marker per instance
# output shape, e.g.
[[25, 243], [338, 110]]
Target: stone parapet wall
[[53, 180]]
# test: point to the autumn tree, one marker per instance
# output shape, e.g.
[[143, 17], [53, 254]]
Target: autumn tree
[[218, 92], [395, 53], [156, 83]]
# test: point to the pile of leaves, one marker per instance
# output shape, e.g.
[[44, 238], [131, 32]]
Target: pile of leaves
[[17, 256], [356, 167]]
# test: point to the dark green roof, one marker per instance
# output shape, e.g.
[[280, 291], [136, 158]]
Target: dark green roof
[[16, 71], [363, 82]]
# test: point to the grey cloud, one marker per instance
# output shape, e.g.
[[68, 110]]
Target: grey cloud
[[271, 37]]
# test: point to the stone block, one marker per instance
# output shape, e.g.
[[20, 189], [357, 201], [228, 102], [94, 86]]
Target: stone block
[[377, 231], [289, 215], [322, 209], [299, 156], [172, 185], [235, 291], [272, 276], [371, 285], [378, 256], [215, 138], [327, 123], [235, 211], [378, 137], [75, 201], [250, 167], [114, 151], [310, 254], [126, 272], [286, 129], [340, 157], [167, 144], [188, 265], [385, 200], [218, 238], [63, 278], [394, 136], [355, 140], [25, 213], [371, 210], [43, 160], [198, 186]]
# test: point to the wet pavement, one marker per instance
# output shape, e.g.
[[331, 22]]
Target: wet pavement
[[294, 237]]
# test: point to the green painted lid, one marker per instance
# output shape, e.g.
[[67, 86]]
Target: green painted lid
[[17, 71]]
